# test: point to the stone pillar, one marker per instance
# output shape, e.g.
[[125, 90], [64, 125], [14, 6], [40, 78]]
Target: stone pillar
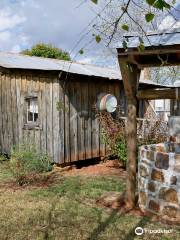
[[159, 181]]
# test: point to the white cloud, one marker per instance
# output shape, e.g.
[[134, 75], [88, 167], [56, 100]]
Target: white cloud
[[168, 23], [5, 36], [57, 22], [16, 49], [8, 20]]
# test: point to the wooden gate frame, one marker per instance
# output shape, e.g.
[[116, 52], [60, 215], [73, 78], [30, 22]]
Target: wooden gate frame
[[131, 62]]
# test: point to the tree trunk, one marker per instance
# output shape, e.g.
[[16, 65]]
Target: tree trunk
[[130, 74]]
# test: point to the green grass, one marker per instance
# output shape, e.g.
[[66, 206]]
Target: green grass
[[67, 210], [5, 173]]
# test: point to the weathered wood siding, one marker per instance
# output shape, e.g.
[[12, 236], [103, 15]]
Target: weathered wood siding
[[69, 130]]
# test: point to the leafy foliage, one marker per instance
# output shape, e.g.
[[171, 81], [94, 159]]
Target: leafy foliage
[[161, 4], [114, 134], [81, 51], [98, 38], [26, 163], [150, 2], [149, 17], [47, 51], [135, 14], [94, 1], [125, 27], [3, 158]]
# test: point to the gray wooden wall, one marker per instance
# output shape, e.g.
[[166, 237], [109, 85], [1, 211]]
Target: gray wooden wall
[[69, 130]]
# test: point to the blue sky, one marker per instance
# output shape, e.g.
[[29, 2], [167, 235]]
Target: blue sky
[[60, 22]]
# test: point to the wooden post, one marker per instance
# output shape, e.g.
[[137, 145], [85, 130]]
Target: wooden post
[[130, 75]]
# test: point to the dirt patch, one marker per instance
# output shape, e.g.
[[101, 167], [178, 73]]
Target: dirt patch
[[108, 168], [44, 181], [116, 201]]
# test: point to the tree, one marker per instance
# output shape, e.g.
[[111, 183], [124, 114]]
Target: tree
[[139, 17], [47, 51]]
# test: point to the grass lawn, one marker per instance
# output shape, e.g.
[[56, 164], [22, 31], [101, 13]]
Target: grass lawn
[[67, 210]]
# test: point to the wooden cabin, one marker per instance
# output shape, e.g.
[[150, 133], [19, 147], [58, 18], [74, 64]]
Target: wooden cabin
[[50, 103]]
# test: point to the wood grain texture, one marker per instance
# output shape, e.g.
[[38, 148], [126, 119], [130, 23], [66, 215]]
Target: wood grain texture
[[67, 134], [152, 94], [130, 75]]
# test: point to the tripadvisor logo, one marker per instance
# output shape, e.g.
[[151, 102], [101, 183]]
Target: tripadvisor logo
[[139, 231]]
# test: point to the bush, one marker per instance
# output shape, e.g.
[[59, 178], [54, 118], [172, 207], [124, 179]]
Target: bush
[[26, 163], [114, 134], [47, 51], [3, 158]]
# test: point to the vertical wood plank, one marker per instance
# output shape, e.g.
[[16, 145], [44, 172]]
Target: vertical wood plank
[[103, 88], [19, 104], [37, 132], [5, 118], [14, 111], [49, 116], [95, 124], [10, 100], [88, 129], [81, 121], [61, 123], [43, 113], [24, 89], [30, 134], [56, 136], [67, 124], [1, 115], [73, 121], [85, 106]]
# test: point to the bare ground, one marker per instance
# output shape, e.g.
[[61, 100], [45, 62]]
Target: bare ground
[[107, 168]]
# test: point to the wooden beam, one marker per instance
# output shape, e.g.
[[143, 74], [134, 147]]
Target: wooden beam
[[130, 75], [151, 60], [152, 94], [149, 50]]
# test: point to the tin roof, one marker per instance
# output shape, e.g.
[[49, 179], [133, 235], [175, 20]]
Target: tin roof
[[154, 39], [19, 61]]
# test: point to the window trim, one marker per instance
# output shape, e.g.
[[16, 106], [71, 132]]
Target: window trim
[[27, 110], [31, 125]]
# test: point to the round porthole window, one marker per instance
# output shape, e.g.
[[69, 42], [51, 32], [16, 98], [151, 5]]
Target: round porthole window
[[107, 102]]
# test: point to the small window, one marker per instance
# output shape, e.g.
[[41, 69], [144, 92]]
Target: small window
[[32, 110]]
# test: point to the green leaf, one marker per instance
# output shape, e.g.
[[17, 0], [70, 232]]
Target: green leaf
[[98, 38], [94, 1], [161, 4], [124, 43], [150, 2], [81, 51], [125, 27], [141, 47], [149, 17]]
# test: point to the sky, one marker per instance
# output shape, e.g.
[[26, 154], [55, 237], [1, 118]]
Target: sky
[[60, 22]]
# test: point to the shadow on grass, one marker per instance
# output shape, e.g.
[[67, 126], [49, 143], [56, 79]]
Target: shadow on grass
[[131, 234], [102, 227]]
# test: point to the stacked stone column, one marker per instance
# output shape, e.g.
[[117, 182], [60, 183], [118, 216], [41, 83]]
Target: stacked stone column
[[159, 180]]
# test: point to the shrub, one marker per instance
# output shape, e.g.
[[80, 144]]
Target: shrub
[[114, 134], [3, 158], [26, 163], [47, 51]]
